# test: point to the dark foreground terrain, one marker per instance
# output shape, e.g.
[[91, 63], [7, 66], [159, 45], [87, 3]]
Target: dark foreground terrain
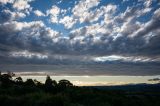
[[63, 93]]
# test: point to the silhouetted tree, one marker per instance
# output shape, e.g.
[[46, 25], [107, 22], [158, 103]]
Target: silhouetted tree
[[11, 74], [48, 81], [6, 80], [50, 84], [19, 80], [30, 82], [63, 84], [38, 84]]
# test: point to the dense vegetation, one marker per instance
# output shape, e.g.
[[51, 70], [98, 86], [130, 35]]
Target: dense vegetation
[[63, 93]]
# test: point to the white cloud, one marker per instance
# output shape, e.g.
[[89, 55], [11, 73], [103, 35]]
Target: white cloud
[[53, 19], [54, 13], [23, 25], [52, 33], [37, 29], [68, 22], [83, 6], [126, 23], [28, 54], [108, 12], [14, 15], [145, 10], [85, 13], [54, 10], [129, 26], [32, 29], [22, 4], [110, 8], [148, 3], [157, 13], [96, 29], [39, 13], [125, 58], [89, 34], [82, 9], [6, 1], [149, 26]]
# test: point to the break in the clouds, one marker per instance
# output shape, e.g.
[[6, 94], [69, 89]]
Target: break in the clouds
[[40, 31]]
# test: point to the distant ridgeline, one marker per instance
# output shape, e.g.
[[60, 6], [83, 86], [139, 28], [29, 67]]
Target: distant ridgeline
[[16, 92]]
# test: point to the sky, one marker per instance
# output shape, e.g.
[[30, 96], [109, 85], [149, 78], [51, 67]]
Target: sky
[[95, 37]]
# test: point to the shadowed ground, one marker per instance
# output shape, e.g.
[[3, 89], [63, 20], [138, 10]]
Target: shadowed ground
[[63, 93]]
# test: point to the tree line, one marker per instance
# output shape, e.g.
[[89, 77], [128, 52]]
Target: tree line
[[16, 92], [6, 81]]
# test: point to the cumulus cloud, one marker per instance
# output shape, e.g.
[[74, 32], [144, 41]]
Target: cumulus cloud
[[21, 4], [85, 13], [148, 3], [18, 4], [7, 15], [83, 10], [34, 36], [150, 26], [39, 13], [68, 22], [6, 1], [17, 9], [54, 13]]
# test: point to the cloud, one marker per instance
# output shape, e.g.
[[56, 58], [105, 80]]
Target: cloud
[[34, 36], [54, 13], [125, 59], [38, 13], [68, 22], [27, 54], [148, 3], [83, 10], [116, 33], [6, 1], [18, 4], [17, 9], [150, 26], [21, 4], [93, 30], [7, 15]]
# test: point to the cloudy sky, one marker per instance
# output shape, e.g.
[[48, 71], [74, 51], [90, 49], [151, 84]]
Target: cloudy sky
[[51, 32]]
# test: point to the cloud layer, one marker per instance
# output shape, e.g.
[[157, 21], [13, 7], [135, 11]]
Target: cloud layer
[[82, 31]]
